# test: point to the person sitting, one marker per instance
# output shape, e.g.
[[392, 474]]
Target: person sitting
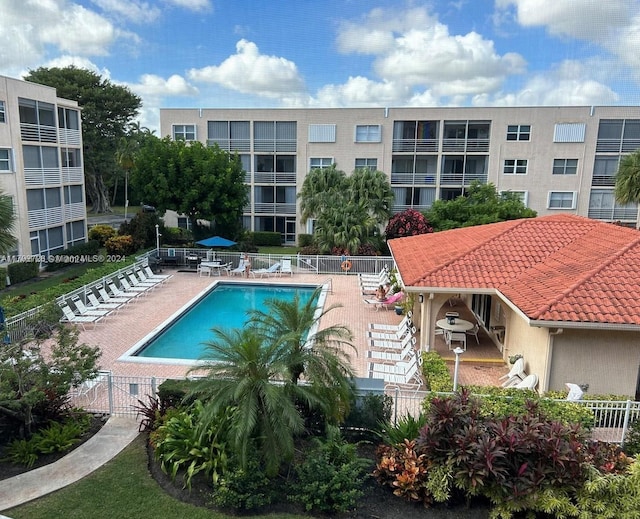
[[381, 293]]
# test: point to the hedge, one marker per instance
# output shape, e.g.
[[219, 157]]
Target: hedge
[[23, 270], [266, 239], [73, 255]]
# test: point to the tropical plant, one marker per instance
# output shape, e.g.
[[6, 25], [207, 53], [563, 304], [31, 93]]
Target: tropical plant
[[627, 188], [330, 478], [407, 427], [319, 354], [183, 443], [318, 189], [7, 219], [407, 223], [252, 376], [480, 204]]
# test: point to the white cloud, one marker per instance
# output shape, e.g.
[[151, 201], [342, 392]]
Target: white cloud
[[569, 84], [360, 91], [133, 10], [33, 29], [192, 5], [152, 85], [412, 48], [250, 72], [593, 20]]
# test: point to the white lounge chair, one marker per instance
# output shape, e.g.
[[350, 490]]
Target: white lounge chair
[[393, 345], [144, 279], [69, 317], [393, 336], [528, 382], [272, 270], [99, 305], [285, 267], [515, 375], [406, 321], [149, 273], [128, 288], [239, 269], [117, 292], [404, 355], [85, 310], [134, 282], [371, 279], [411, 378]]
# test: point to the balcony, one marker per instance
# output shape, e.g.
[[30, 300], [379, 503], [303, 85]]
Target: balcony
[[277, 177], [422, 179], [603, 180], [465, 145], [40, 218], [269, 145], [75, 211], [44, 176], [69, 137], [38, 133], [271, 208], [72, 175], [239, 145], [415, 145]]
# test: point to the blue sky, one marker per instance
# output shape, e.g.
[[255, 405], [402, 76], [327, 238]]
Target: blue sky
[[331, 53]]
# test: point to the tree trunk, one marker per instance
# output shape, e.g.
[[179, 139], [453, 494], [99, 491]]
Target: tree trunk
[[97, 194]]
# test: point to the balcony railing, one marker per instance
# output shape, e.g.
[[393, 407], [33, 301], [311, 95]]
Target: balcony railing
[[72, 175], [45, 217], [70, 137], [603, 180], [43, 176], [277, 177], [39, 133], [75, 211], [462, 145], [262, 208], [463, 178], [240, 145], [281, 145], [613, 214], [426, 179], [415, 145]]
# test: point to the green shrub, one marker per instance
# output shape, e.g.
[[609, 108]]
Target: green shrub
[[369, 413], [22, 271], [243, 490], [632, 439], [172, 392], [101, 233], [3, 278], [266, 239], [330, 478], [436, 373], [406, 428], [142, 229], [181, 445], [606, 496], [81, 253], [22, 452], [176, 236], [120, 245], [60, 437], [305, 240]]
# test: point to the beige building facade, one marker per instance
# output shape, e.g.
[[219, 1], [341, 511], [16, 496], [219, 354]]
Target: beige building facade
[[41, 167], [558, 159]]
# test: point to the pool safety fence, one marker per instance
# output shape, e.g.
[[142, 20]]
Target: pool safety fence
[[122, 395]]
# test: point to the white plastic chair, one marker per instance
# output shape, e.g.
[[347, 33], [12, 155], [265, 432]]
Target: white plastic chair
[[474, 332], [515, 375]]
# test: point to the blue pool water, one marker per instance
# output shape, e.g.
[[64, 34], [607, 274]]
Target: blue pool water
[[226, 305]]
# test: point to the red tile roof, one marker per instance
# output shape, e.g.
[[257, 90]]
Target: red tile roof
[[553, 268]]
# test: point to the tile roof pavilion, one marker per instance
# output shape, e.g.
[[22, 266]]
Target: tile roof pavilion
[[560, 268]]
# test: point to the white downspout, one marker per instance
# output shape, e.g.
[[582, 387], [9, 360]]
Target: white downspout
[[425, 322]]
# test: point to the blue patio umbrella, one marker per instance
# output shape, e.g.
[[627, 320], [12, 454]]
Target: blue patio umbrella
[[216, 241]]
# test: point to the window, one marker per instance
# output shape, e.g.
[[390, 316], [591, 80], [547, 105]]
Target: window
[[36, 157], [518, 132], [2, 113], [515, 167], [565, 166], [68, 119], [372, 164], [184, 222], [5, 159], [368, 133], [229, 135], [322, 133], [70, 157], [72, 194], [523, 196], [320, 162], [562, 200], [186, 132]]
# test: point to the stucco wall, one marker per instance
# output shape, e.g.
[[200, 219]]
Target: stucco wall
[[606, 360]]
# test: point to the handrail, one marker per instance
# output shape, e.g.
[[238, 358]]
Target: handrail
[[307, 263], [328, 281]]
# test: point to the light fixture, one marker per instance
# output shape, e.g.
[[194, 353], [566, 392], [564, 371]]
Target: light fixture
[[458, 351]]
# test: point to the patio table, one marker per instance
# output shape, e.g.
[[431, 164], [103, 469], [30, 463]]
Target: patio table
[[459, 325]]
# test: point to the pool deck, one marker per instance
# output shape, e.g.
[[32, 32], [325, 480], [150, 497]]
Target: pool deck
[[118, 333]]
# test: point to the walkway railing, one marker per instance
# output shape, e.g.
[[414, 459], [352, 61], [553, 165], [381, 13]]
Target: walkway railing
[[121, 395]]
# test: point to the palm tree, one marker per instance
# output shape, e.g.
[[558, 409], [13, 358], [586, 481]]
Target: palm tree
[[313, 353], [372, 188], [320, 189], [7, 219], [249, 375], [346, 227], [627, 189]]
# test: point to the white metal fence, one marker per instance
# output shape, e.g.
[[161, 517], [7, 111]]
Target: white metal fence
[[120, 395]]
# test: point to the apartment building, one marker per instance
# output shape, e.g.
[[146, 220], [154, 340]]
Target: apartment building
[[557, 159], [41, 167]]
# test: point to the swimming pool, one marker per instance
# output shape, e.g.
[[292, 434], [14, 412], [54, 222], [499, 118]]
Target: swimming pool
[[179, 340]]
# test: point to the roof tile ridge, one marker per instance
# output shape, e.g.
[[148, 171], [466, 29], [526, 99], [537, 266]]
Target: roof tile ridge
[[588, 275]]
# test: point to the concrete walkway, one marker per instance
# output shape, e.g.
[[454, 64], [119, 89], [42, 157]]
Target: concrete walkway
[[114, 436]]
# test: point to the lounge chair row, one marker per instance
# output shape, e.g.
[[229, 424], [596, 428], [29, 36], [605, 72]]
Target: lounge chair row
[[108, 298], [394, 354]]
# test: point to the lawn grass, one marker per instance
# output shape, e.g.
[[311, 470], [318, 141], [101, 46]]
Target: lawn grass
[[123, 489]]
